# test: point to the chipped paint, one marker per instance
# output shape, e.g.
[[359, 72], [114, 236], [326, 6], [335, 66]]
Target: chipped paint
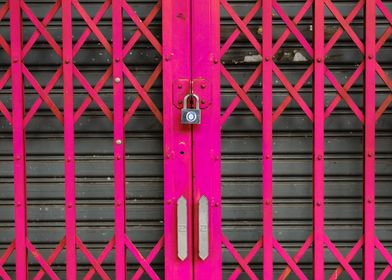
[[298, 57], [252, 58]]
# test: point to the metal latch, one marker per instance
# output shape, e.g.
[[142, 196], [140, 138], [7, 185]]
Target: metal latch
[[199, 86]]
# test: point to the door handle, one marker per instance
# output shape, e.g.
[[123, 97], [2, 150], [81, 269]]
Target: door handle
[[203, 227], [182, 229]]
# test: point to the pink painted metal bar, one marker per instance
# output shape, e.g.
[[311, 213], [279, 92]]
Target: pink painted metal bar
[[318, 140], [369, 141], [207, 150], [18, 112], [119, 140], [267, 140], [69, 141], [176, 17]]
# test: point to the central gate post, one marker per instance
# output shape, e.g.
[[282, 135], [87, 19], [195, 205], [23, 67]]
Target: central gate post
[[177, 146], [206, 140]]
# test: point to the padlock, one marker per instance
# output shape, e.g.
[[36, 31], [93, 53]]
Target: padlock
[[191, 116]]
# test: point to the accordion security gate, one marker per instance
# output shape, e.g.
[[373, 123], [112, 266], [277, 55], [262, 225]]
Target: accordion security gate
[[190, 56]]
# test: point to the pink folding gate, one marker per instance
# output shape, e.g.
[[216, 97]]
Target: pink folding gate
[[191, 52]]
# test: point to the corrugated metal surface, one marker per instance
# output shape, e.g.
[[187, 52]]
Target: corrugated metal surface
[[241, 149]]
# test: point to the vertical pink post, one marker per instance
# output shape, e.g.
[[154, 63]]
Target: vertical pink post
[[369, 141], [18, 112], [267, 140], [206, 138], [119, 141], [318, 140], [69, 142], [177, 147]]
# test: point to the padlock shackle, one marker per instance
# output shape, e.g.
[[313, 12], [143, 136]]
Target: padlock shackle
[[185, 102]]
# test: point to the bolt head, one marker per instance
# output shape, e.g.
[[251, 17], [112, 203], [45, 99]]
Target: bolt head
[[319, 157], [118, 142], [117, 80]]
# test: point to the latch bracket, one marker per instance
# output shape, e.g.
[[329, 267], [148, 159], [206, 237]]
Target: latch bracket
[[199, 86]]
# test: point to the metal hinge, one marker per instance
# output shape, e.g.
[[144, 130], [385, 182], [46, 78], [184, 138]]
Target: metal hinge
[[199, 86]]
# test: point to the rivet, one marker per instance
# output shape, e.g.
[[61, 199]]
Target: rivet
[[203, 101], [369, 200], [117, 80], [370, 56], [17, 157], [169, 201], [180, 101], [168, 155], [319, 157], [203, 85], [216, 204], [370, 154], [66, 61], [216, 157], [69, 205], [216, 61], [118, 141], [15, 60], [168, 57], [118, 203], [267, 157], [267, 202], [68, 159], [318, 204], [179, 85], [117, 59], [318, 60], [266, 58], [118, 157], [18, 204]]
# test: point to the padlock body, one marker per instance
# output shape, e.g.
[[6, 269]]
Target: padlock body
[[190, 116]]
